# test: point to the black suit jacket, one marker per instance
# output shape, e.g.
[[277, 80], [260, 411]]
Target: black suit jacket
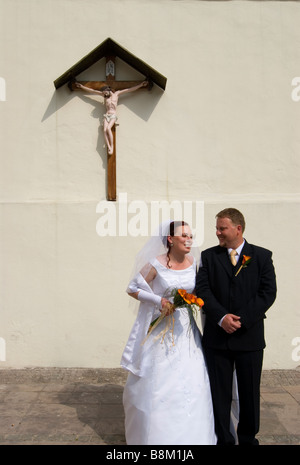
[[248, 295]]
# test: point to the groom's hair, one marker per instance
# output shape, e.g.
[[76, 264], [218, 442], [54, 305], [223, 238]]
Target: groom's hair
[[234, 215]]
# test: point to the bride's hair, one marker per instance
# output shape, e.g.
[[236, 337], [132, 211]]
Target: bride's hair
[[173, 226]]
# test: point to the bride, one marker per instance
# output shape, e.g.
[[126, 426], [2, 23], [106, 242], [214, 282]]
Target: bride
[[167, 398]]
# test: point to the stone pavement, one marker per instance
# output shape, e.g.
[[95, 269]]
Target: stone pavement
[[69, 406]]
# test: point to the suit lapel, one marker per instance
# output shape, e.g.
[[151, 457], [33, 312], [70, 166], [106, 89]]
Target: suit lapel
[[224, 260], [246, 250]]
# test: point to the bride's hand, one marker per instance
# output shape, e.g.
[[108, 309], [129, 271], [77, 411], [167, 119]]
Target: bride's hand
[[167, 307]]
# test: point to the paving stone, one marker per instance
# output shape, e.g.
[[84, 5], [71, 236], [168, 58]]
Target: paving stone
[[57, 406]]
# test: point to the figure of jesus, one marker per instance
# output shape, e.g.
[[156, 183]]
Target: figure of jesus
[[111, 98]]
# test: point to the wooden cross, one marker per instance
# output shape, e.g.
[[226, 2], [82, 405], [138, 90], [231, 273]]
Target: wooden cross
[[110, 72], [110, 50]]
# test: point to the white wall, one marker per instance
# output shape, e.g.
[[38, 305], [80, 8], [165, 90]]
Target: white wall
[[225, 132]]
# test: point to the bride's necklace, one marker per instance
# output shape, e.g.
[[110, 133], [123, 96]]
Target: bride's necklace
[[178, 265]]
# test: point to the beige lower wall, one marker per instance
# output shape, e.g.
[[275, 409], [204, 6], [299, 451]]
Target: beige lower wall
[[63, 286]]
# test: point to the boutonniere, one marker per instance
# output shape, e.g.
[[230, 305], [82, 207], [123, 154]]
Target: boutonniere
[[245, 262]]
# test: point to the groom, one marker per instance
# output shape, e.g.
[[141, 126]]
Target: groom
[[237, 283]]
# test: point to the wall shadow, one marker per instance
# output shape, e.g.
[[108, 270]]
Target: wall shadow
[[101, 408], [141, 102]]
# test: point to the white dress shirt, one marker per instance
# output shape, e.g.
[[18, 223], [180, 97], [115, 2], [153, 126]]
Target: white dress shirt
[[238, 251]]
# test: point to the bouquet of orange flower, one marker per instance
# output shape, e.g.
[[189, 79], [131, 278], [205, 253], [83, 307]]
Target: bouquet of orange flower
[[184, 299], [189, 301], [181, 298]]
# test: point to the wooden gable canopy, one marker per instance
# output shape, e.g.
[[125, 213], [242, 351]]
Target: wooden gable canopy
[[110, 48]]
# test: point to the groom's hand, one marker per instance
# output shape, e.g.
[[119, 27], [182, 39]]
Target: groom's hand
[[231, 323]]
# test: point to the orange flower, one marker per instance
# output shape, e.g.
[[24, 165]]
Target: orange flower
[[190, 298], [182, 292], [187, 299], [199, 302], [245, 262], [245, 259]]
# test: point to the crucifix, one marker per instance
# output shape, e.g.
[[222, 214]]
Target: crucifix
[[110, 90]]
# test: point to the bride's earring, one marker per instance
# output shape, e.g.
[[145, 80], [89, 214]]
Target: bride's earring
[[171, 244]]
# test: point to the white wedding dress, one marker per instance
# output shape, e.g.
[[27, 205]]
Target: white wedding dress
[[167, 398]]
